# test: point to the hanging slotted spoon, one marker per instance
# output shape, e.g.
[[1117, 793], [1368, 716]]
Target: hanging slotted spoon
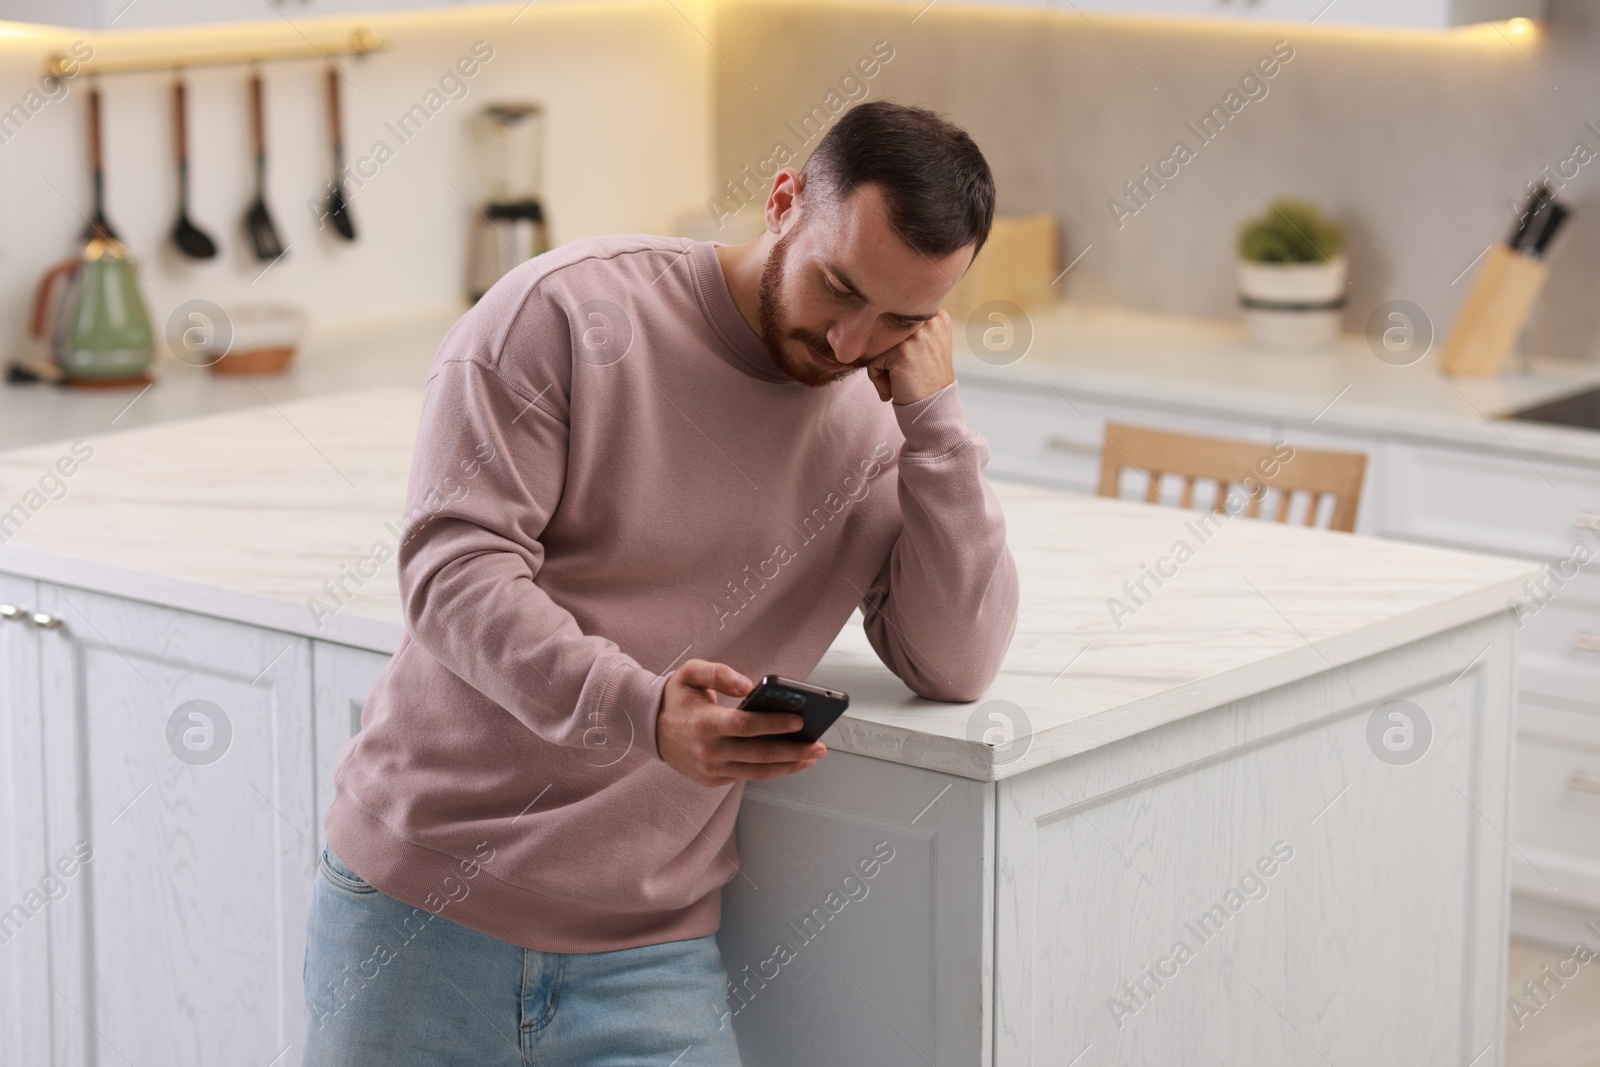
[[258, 221]]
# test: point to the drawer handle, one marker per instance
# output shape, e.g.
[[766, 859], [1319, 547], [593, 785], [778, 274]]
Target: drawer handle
[[1586, 520], [1061, 444], [1586, 642], [12, 613], [45, 621], [1584, 782]]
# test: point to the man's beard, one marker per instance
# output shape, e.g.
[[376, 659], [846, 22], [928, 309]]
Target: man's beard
[[774, 330]]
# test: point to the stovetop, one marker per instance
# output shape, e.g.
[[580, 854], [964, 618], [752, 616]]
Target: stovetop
[[1578, 409]]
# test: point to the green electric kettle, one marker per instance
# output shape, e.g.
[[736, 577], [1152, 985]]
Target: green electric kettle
[[99, 331]]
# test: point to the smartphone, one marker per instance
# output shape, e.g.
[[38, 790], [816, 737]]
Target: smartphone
[[818, 708]]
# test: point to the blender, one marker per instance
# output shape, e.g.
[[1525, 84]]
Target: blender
[[509, 228]]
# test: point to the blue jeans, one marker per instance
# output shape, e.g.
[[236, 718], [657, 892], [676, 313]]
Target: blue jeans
[[390, 985]]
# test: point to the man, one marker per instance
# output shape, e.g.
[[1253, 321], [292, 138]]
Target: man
[[647, 471]]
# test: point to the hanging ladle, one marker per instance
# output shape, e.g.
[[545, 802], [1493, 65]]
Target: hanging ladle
[[190, 239], [263, 235]]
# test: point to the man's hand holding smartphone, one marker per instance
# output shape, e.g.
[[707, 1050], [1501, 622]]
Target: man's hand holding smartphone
[[716, 745]]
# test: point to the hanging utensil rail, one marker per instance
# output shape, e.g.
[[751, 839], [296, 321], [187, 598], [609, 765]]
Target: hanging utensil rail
[[358, 43]]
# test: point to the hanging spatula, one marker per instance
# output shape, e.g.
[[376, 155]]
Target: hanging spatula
[[258, 221]]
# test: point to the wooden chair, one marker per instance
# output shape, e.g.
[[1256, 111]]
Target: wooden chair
[[1314, 474]]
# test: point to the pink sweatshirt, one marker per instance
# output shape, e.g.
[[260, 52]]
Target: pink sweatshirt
[[612, 476]]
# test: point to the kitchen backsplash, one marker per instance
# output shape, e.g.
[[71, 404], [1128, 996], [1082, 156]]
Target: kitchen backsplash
[[1421, 143], [627, 137]]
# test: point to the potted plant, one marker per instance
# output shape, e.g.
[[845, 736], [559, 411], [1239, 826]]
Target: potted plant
[[1292, 280]]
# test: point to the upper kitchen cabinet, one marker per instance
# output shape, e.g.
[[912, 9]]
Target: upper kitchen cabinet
[[1393, 14], [1415, 14], [144, 14]]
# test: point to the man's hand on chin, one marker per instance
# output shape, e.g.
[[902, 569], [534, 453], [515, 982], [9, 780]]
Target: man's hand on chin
[[917, 367]]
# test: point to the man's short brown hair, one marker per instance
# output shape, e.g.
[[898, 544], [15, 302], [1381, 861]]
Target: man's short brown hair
[[934, 179]]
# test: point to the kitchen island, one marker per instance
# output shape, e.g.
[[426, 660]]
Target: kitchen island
[[1263, 809], [1446, 465]]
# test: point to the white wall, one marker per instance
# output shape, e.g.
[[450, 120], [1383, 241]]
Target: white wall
[[626, 88]]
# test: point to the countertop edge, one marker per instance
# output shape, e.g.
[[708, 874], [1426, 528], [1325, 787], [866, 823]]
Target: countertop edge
[[861, 736], [182, 594], [975, 760]]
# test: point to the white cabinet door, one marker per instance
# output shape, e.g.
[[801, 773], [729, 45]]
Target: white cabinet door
[[1558, 806], [179, 749], [858, 929], [344, 676], [27, 882], [1491, 502]]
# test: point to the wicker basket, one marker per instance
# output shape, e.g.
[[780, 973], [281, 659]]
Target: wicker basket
[[256, 361], [259, 339]]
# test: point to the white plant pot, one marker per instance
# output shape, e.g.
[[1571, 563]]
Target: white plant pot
[[1293, 305]]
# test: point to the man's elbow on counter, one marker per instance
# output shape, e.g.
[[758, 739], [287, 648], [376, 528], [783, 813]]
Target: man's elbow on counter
[[956, 686], [951, 694], [964, 682]]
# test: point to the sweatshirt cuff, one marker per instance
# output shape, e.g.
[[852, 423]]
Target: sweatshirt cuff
[[932, 426], [630, 705]]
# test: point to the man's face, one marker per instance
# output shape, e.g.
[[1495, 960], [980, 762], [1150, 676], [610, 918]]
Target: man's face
[[841, 287]]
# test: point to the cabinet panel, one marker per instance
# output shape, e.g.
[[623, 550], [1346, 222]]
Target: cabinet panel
[[1263, 879], [1557, 826], [1560, 640], [889, 967], [1537, 509], [178, 747], [344, 677], [28, 883]]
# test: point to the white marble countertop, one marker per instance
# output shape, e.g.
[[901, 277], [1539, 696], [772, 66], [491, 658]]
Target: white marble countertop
[[246, 514], [1209, 366]]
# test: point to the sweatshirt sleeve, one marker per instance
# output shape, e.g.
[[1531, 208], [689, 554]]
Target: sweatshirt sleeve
[[942, 611], [486, 475]]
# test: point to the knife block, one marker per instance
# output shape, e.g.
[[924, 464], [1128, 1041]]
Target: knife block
[[1502, 296]]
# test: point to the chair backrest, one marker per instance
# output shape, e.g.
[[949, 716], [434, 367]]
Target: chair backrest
[[1313, 474]]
